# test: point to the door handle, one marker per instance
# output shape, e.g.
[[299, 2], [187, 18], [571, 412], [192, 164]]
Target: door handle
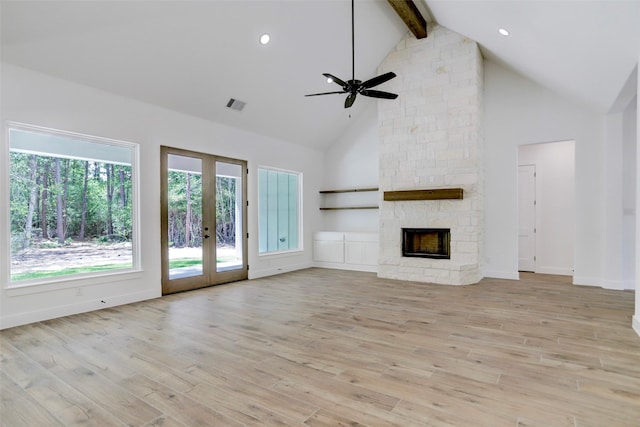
[[206, 236]]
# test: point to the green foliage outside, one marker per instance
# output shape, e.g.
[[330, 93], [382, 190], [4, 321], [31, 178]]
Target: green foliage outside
[[56, 200], [185, 209], [226, 210], [66, 271], [188, 262], [178, 263]]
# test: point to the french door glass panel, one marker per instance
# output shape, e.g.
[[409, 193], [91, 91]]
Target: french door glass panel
[[229, 226], [185, 231]]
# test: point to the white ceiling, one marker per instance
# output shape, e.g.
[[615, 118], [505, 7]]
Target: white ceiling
[[192, 56], [583, 49]]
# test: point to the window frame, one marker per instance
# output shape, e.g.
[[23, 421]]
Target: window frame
[[73, 280], [299, 179]]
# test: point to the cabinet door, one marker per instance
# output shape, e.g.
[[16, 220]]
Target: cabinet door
[[328, 246], [354, 252], [328, 251], [361, 248]]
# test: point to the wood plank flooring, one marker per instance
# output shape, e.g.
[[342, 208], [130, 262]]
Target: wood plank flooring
[[334, 348]]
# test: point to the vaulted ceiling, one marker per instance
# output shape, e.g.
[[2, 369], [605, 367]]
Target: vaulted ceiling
[[193, 56]]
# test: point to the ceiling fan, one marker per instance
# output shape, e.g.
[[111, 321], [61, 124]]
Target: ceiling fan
[[354, 87]]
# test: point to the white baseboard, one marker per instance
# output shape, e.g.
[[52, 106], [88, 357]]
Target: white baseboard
[[342, 266], [509, 275], [635, 323], [555, 270], [71, 309], [265, 272], [587, 281], [629, 285], [617, 285]]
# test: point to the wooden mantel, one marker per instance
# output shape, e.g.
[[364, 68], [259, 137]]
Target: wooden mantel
[[435, 194]]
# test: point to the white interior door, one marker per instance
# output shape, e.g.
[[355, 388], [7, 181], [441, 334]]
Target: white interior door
[[527, 218]]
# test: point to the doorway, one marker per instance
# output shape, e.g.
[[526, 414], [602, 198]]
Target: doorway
[[547, 213], [203, 220]]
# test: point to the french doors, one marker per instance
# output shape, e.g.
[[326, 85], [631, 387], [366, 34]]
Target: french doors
[[203, 220]]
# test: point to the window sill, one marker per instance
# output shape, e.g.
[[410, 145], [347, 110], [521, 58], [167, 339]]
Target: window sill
[[280, 254], [39, 286]]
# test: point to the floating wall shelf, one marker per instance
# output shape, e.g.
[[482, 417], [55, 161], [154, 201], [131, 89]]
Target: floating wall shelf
[[435, 194], [349, 207], [349, 190]]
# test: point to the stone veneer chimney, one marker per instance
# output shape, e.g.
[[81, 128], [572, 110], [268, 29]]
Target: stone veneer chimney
[[430, 137]]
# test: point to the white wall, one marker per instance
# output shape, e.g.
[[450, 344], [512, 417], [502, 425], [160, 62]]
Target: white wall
[[629, 184], [517, 112], [555, 204], [612, 159], [636, 317], [34, 98], [352, 162]]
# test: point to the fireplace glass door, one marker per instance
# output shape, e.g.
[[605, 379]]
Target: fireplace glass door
[[426, 242]]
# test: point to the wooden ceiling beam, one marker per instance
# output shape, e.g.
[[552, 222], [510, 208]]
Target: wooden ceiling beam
[[409, 13]]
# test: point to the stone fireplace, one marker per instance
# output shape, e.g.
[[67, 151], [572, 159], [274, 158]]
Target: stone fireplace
[[431, 140]]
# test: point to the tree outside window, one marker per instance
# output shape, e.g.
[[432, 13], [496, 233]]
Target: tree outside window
[[72, 203]]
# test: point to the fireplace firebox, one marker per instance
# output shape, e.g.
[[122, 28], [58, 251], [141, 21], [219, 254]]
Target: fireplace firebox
[[426, 242]]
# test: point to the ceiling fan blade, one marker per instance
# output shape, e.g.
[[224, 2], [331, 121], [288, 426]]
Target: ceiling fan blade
[[335, 79], [379, 94], [378, 80], [324, 93], [350, 100]]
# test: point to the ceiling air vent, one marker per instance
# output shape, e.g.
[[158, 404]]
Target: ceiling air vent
[[234, 104]]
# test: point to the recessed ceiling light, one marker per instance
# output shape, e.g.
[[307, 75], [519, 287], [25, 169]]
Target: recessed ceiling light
[[264, 39], [503, 31], [329, 80]]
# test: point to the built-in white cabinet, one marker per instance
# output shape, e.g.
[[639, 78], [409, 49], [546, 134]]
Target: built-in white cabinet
[[346, 250], [328, 247]]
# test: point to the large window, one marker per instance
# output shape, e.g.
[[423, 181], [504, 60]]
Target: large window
[[279, 210], [72, 205]]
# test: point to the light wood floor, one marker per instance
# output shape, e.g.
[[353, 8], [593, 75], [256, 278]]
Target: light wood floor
[[334, 348]]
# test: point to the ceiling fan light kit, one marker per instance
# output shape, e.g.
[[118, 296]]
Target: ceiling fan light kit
[[354, 87]]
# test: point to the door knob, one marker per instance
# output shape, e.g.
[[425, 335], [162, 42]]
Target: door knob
[[206, 236]]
